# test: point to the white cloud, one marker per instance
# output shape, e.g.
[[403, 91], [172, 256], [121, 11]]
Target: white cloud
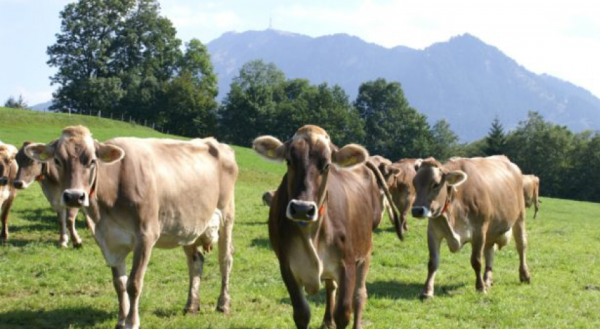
[[33, 97], [197, 15]]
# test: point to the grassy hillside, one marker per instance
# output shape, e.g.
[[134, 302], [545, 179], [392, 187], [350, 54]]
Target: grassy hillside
[[42, 286]]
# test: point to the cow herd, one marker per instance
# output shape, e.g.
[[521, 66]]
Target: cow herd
[[138, 194]]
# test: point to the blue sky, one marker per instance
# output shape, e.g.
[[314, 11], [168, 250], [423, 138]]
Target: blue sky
[[561, 38]]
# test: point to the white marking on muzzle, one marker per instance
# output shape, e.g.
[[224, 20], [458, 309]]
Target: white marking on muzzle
[[312, 218]]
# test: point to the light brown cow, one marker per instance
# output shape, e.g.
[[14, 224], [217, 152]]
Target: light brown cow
[[46, 174], [531, 191], [321, 221], [142, 193], [8, 171], [477, 200]]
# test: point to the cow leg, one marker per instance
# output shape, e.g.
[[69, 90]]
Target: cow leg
[[433, 244], [120, 284], [195, 261], [5, 210], [345, 298], [521, 241], [71, 217], [477, 243], [141, 257], [299, 303], [63, 240], [360, 291], [489, 264], [330, 287], [226, 256]]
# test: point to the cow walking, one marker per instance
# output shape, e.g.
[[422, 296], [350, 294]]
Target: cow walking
[[477, 200], [8, 171], [46, 174], [145, 193], [321, 221]]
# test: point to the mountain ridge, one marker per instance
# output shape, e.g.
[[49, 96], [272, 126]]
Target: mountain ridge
[[463, 80]]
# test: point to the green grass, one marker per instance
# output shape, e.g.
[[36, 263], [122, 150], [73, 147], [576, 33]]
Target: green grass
[[42, 286]]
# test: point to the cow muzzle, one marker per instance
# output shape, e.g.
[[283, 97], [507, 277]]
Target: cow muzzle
[[3, 180], [19, 184], [75, 198], [302, 211], [421, 212]]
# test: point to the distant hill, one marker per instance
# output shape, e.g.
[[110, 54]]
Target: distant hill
[[462, 80], [44, 107]]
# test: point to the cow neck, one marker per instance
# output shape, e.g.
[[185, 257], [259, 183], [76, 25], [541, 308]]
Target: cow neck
[[323, 195]]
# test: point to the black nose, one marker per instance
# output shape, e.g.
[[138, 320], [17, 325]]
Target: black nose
[[18, 184], [303, 210], [3, 181], [418, 212], [73, 198]]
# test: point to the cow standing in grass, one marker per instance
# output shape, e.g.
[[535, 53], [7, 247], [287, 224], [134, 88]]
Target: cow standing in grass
[[531, 191], [477, 200], [399, 177], [8, 172], [46, 174], [142, 193], [321, 221]]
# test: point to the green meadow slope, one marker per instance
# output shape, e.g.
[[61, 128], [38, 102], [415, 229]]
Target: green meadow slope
[[42, 286]]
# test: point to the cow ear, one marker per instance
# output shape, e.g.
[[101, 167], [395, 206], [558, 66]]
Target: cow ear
[[455, 178], [39, 152], [269, 147], [350, 155], [418, 163], [109, 153]]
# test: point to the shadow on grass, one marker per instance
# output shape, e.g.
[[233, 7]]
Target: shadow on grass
[[59, 318], [408, 291], [38, 215], [261, 243], [23, 242]]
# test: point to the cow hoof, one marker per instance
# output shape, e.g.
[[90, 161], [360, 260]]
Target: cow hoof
[[525, 277], [223, 309], [120, 326], [78, 245], [425, 296], [192, 310], [326, 325]]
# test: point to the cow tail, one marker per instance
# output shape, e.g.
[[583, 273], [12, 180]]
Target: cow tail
[[395, 213]]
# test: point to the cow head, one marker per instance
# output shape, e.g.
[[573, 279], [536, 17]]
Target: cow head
[[433, 184], [309, 155], [8, 165], [29, 169], [75, 158]]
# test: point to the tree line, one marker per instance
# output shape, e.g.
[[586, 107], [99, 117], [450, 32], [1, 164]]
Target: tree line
[[123, 59]]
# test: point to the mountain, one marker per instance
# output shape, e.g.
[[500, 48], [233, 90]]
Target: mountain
[[43, 107], [462, 80]]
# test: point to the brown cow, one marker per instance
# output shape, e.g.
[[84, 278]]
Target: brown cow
[[45, 173], [321, 221], [531, 191], [8, 171], [142, 193], [399, 176], [477, 200]]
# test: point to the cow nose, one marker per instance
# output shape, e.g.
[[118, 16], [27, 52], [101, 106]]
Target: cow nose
[[418, 212], [3, 181], [74, 199], [302, 210], [18, 184]]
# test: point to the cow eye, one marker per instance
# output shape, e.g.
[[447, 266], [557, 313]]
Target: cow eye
[[435, 186], [56, 162], [325, 168], [92, 163]]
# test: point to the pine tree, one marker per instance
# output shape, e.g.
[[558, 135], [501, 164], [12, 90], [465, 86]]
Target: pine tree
[[496, 139]]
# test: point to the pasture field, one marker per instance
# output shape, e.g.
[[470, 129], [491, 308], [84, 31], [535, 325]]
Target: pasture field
[[42, 286]]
